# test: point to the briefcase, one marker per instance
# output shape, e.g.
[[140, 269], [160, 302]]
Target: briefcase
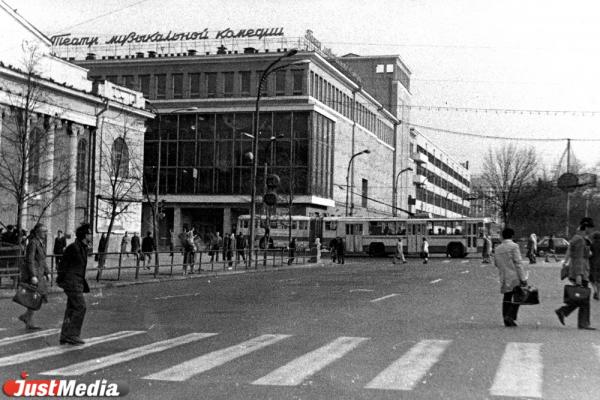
[[576, 294], [526, 295], [28, 296]]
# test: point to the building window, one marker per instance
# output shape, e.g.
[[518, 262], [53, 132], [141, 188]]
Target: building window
[[177, 86], [389, 68], [145, 85], [195, 85], [211, 84], [245, 83], [113, 78], [161, 86], [120, 159], [227, 84], [129, 81], [379, 69], [280, 83], [81, 163], [365, 192]]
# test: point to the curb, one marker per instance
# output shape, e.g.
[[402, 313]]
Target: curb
[[98, 286]]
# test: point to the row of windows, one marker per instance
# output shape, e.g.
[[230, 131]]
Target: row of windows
[[430, 197], [441, 182], [212, 180], [211, 84], [433, 160], [208, 154], [336, 99]]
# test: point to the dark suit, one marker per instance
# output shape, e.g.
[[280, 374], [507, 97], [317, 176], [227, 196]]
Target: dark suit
[[71, 277], [59, 248]]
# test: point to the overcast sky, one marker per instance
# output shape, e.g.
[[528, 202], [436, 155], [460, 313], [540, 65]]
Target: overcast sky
[[532, 55]]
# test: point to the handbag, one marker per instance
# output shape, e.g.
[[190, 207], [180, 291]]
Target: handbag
[[576, 294], [28, 296], [526, 295]]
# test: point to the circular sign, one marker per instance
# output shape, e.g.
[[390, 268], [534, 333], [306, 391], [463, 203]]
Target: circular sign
[[567, 182]]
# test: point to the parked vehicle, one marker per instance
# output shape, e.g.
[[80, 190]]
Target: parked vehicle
[[560, 245]]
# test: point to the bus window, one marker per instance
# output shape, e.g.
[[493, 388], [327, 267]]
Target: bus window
[[458, 228], [303, 225], [330, 225], [273, 224], [389, 228], [430, 228], [294, 224], [374, 228], [401, 228]]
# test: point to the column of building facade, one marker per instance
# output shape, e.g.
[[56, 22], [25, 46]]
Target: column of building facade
[[73, 133], [48, 172]]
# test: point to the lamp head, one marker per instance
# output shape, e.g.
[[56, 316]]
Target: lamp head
[[366, 151], [291, 52]]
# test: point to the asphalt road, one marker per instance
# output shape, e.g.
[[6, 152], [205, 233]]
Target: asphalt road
[[365, 330]]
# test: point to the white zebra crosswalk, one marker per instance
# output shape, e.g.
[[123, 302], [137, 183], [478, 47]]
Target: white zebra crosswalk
[[519, 373]]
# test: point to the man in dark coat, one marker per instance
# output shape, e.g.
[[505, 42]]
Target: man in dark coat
[[34, 270], [135, 245], [59, 246], [340, 249], [71, 278], [147, 248]]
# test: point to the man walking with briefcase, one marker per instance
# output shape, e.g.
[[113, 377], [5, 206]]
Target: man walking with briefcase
[[71, 278], [578, 270]]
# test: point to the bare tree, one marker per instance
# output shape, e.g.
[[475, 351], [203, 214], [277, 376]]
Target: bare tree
[[507, 170], [122, 172], [26, 154]]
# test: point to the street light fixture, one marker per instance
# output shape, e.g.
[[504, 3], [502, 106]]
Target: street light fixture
[[366, 151], [396, 186], [157, 184], [270, 69]]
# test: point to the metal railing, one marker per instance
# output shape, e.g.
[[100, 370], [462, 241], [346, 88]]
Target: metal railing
[[131, 266]]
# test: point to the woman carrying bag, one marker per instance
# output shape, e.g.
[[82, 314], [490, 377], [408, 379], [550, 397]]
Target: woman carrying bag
[[577, 268]]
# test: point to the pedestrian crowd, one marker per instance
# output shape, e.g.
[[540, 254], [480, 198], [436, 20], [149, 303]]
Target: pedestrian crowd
[[581, 267]]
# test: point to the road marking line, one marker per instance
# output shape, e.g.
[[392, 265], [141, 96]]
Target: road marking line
[[55, 350], [384, 297], [435, 281], [445, 261], [465, 272], [195, 366], [296, 371], [362, 290], [27, 336], [464, 261], [520, 371], [124, 356], [406, 372], [177, 295]]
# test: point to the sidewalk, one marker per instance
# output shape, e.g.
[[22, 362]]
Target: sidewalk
[[126, 276]]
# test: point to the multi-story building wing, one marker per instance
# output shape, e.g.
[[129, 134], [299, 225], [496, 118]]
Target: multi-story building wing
[[443, 184]]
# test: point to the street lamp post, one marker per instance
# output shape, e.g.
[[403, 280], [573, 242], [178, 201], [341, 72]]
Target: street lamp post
[[366, 151], [396, 186], [263, 76], [157, 184]]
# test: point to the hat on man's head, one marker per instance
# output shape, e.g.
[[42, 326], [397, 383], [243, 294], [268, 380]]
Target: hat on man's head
[[586, 222]]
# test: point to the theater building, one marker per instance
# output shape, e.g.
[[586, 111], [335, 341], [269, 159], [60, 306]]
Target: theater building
[[316, 112]]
